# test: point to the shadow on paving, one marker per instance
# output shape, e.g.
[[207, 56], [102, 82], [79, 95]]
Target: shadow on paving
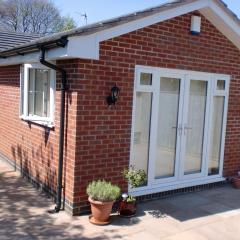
[[217, 201], [23, 214]]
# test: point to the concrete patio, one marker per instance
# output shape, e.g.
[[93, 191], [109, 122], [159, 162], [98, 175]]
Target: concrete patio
[[210, 214]]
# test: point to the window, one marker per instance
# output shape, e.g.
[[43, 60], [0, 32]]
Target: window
[[221, 85], [146, 79], [37, 94], [217, 124]]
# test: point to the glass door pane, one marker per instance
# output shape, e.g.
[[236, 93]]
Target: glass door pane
[[167, 127], [194, 129], [140, 155], [216, 135]]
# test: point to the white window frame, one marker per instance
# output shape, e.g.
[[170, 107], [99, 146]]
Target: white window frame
[[24, 82], [154, 186]]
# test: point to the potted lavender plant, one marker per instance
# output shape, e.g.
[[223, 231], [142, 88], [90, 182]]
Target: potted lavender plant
[[102, 195]]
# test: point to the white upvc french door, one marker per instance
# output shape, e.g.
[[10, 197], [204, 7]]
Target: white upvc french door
[[195, 125], [173, 137], [166, 128]]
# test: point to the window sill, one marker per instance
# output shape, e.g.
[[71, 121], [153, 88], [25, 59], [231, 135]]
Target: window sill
[[43, 122]]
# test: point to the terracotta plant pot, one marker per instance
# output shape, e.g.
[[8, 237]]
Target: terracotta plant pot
[[236, 182], [100, 211], [127, 209]]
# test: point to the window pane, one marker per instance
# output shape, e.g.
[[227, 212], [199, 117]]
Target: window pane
[[221, 85], [195, 129], [216, 135], [167, 127], [42, 93], [146, 79], [39, 92], [142, 131], [22, 90], [31, 91]]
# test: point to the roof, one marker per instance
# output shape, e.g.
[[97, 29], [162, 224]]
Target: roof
[[95, 27], [92, 28], [10, 40], [83, 42]]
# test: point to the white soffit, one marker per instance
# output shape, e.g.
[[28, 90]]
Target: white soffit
[[54, 54]]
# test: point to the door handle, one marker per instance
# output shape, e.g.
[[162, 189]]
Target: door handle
[[179, 129]]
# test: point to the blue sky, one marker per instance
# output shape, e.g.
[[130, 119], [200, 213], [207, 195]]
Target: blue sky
[[98, 10]]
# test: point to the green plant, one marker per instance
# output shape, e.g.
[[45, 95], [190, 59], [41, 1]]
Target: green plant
[[103, 191], [136, 178], [131, 199]]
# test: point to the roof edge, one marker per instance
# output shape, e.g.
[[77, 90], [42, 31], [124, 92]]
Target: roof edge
[[117, 26]]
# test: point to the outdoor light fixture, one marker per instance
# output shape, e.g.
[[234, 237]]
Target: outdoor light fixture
[[112, 98]]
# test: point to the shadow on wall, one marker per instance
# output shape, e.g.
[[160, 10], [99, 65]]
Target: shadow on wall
[[36, 166]]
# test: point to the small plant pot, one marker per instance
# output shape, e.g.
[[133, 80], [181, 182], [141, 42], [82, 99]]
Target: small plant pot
[[100, 212], [236, 182], [127, 209]]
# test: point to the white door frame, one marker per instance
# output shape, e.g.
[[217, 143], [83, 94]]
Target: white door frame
[[179, 180], [188, 79], [154, 135]]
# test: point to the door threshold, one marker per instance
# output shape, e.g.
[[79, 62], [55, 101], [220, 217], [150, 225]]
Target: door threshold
[[154, 189]]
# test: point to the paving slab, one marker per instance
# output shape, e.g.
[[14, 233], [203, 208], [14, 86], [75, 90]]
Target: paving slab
[[206, 215]]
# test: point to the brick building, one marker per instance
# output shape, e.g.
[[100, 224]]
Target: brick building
[[177, 115]]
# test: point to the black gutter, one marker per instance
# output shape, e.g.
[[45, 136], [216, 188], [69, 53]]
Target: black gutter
[[61, 131], [21, 50]]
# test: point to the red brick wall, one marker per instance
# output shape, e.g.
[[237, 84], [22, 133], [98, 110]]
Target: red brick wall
[[34, 148], [103, 135], [98, 138]]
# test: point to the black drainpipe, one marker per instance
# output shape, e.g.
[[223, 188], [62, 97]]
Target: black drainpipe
[[61, 131]]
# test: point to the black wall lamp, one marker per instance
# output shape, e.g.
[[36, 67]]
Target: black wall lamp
[[113, 97]]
